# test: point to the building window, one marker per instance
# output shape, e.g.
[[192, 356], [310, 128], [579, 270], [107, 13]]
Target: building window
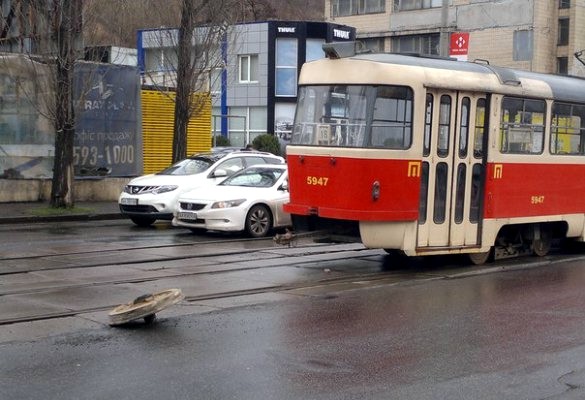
[[563, 38], [215, 81], [286, 66], [563, 65], [407, 5], [376, 45], [564, 3], [245, 124], [343, 8], [248, 68], [522, 45], [161, 60], [421, 44], [314, 49]]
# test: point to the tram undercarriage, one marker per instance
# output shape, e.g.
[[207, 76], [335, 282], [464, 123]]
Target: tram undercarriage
[[511, 241]]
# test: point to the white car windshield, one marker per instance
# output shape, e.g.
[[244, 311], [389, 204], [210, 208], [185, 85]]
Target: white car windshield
[[188, 166], [254, 177]]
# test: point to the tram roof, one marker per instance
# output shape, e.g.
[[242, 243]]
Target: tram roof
[[563, 87]]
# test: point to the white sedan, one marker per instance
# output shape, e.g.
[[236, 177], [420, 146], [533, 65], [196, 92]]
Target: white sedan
[[250, 200]]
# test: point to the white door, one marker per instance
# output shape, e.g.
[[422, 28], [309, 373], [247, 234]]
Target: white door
[[452, 170]]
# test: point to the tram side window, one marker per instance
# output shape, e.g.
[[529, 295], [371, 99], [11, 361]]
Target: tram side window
[[476, 179], [479, 128], [440, 199], [567, 129], [464, 127], [392, 119], [522, 126], [428, 125], [460, 194], [444, 126], [424, 192]]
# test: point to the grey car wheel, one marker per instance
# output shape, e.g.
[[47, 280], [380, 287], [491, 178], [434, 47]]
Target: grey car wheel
[[258, 221]]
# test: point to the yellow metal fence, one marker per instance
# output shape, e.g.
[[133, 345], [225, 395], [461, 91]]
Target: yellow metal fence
[[158, 109]]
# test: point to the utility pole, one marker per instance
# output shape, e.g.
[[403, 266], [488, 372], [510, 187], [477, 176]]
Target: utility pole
[[444, 38]]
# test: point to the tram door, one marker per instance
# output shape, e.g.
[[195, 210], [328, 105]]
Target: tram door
[[451, 188]]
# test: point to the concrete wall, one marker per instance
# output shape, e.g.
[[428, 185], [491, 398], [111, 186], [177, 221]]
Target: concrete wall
[[25, 190]]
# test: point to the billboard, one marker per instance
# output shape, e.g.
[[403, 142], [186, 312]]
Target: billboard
[[107, 140]]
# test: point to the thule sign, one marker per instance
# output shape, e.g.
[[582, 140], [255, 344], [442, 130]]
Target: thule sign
[[338, 33], [286, 29]]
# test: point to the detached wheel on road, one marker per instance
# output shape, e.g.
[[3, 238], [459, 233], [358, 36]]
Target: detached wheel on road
[[143, 221], [145, 306], [258, 221]]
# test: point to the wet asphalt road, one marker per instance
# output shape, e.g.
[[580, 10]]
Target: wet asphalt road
[[518, 334]]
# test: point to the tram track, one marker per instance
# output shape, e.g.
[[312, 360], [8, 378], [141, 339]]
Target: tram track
[[294, 258], [122, 249], [264, 266], [291, 258], [372, 278]]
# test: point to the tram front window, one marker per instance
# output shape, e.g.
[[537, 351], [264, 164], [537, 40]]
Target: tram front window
[[354, 116]]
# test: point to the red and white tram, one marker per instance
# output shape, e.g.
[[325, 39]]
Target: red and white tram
[[429, 156]]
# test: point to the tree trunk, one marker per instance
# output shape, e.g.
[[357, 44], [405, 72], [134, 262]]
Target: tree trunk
[[63, 174], [185, 67]]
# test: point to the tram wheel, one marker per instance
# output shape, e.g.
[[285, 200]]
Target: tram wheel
[[541, 247], [480, 258], [395, 253]]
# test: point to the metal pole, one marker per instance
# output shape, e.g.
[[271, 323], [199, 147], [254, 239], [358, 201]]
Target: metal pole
[[444, 38]]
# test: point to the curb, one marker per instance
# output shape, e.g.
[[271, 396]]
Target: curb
[[61, 218]]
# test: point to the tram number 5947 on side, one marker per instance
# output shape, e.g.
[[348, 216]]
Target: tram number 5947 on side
[[317, 180]]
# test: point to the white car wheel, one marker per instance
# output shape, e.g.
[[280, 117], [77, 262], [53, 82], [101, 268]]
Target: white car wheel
[[258, 221]]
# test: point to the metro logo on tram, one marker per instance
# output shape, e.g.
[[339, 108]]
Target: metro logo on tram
[[414, 169]]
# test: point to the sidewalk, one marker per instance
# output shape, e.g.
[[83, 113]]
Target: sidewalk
[[26, 212]]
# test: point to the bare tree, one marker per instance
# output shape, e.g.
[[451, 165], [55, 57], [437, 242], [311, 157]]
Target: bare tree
[[190, 55], [47, 38], [116, 22], [203, 29], [66, 28]]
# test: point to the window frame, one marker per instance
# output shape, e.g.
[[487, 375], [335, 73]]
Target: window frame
[[563, 31], [248, 60], [346, 8], [569, 130], [281, 66], [518, 128]]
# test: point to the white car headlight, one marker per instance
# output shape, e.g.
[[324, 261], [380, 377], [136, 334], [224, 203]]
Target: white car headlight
[[227, 203], [164, 189]]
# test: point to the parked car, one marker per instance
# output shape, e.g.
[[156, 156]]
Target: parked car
[[152, 197], [250, 200]]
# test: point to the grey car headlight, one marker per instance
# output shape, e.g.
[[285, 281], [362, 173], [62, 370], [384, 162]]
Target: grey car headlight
[[164, 189], [227, 203]]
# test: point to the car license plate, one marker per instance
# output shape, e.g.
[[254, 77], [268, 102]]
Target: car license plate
[[187, 215], [129, 201]]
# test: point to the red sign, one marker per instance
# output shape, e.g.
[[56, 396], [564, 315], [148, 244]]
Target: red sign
[[459, 43]]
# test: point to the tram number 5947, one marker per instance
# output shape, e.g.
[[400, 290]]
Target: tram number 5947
[[537, 199], [317, 180]]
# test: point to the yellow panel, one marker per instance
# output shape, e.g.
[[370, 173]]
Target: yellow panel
[[158, 112]]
